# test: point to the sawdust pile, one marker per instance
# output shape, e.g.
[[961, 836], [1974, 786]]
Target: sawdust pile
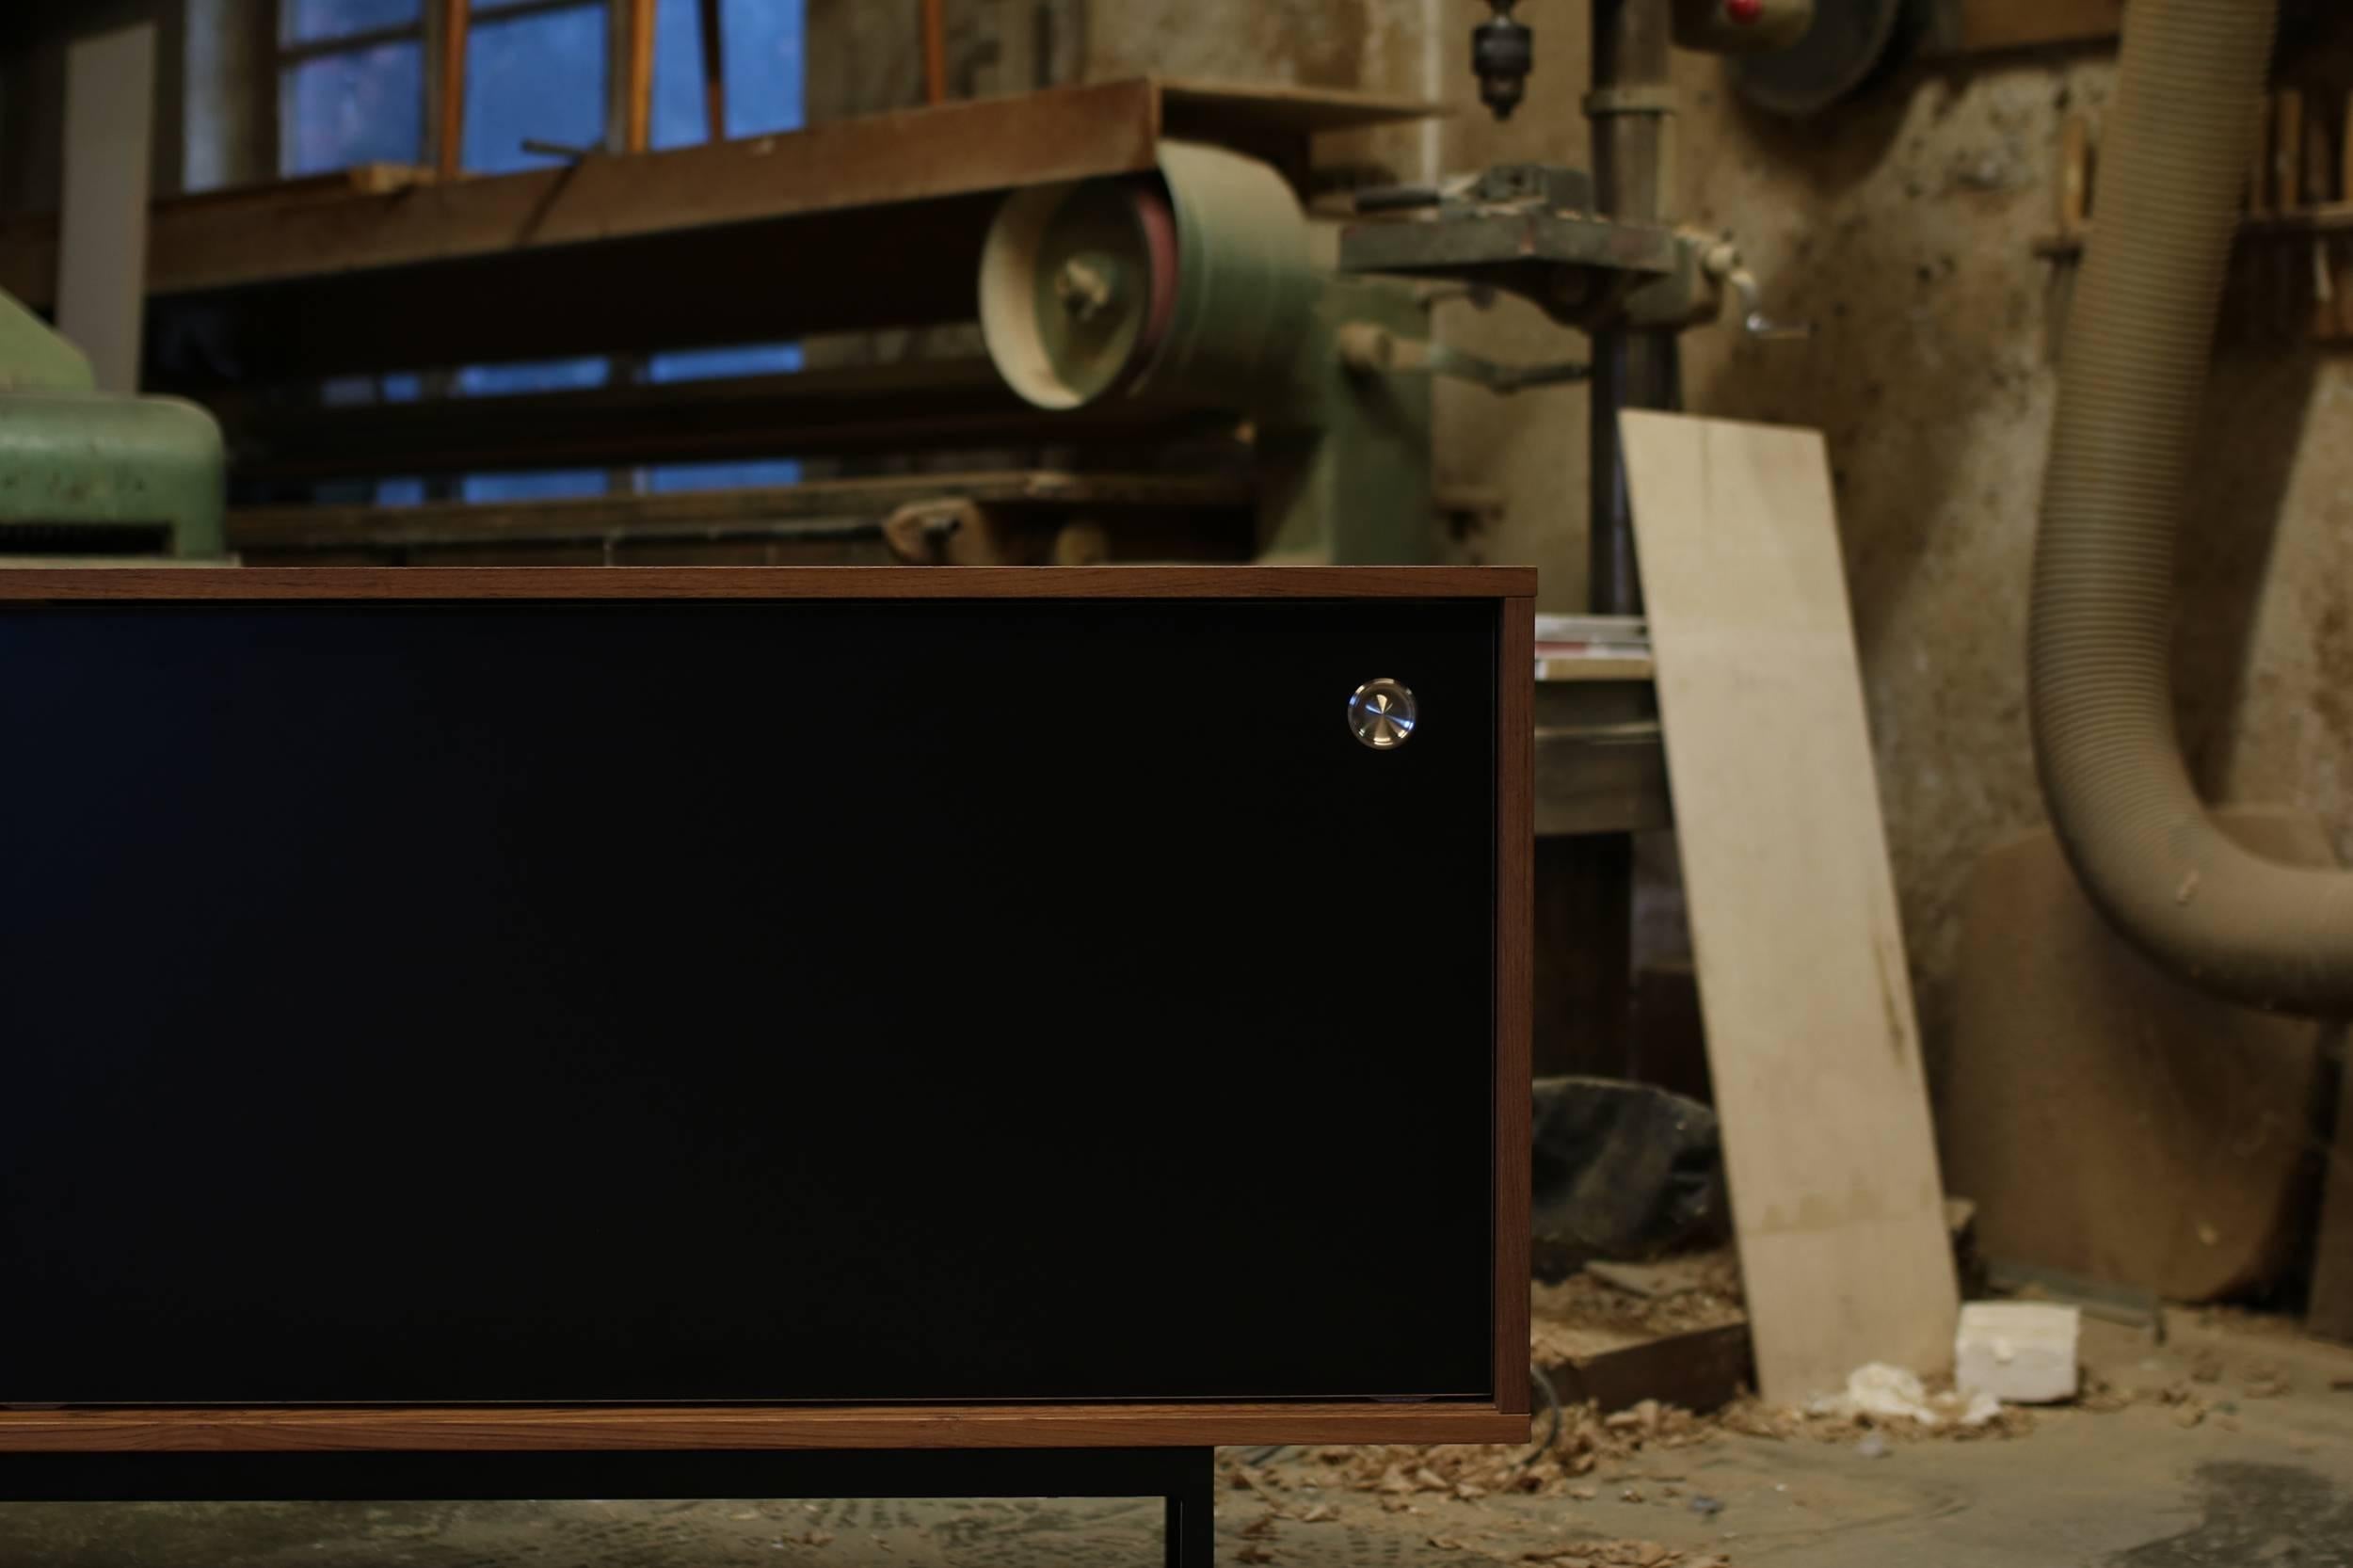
[[1753, 1417], [1418, 1480], [1403, 1476], [2194, 1399], [1610, 1304]]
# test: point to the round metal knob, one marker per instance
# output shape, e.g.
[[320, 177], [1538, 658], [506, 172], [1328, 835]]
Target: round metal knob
[[1381, 714]]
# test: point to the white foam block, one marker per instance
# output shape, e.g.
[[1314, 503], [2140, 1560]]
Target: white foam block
[[2020, 1353]]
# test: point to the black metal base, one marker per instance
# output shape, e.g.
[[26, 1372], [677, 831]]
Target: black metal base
[[1185, 1476]]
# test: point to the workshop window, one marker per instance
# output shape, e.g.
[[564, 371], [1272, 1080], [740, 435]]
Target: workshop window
[[351, 83], [356, 83], [538, 75]]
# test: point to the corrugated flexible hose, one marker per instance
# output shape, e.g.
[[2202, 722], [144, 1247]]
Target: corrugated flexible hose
[[2133, 372]]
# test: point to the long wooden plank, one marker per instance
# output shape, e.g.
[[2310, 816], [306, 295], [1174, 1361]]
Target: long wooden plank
[[916, 155], [636, 75], [1699, 1369], [283, 527], [2021, 23], [1811, 1035], [233, 585], [1194, 106], [743, 1427], [957, 149], [109, 116], [449, 133]]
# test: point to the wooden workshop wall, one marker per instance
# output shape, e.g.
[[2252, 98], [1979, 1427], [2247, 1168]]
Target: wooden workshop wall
[[1902, 227]]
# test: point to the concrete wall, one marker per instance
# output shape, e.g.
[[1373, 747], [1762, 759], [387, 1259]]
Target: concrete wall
[[1901, 227], [33, 43]]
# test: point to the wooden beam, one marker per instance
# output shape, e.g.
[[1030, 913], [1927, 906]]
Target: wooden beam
[[934, 52], [1699, 1369], [712, 32], [449, 145], [1059, 134], [870, 222], [274, 529], [636, 68], [998, 144]]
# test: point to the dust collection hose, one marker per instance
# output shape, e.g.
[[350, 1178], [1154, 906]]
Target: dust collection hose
[[2132, 374]]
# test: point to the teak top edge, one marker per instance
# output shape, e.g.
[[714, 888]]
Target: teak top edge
[[544, 1428], [256, 585]]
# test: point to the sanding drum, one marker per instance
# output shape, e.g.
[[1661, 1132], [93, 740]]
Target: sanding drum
[[1192, 287]]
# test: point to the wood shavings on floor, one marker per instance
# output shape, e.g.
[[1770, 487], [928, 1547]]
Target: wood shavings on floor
[[1606, 1306]]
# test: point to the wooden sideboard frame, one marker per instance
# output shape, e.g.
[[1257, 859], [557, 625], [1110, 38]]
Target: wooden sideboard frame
[[574, 1429]]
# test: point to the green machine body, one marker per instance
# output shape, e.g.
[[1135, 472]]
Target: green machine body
[[91, 474], [1197, 288]]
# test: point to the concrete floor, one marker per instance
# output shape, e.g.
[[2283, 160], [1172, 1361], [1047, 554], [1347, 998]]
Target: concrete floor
[[2260, 1480]]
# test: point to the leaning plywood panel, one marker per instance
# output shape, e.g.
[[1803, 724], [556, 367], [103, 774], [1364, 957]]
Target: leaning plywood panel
[[1811, 1036]]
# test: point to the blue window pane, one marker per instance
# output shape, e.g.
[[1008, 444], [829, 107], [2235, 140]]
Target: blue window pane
[[305, 19], [699, 364], [399, 492], [549, 376], [367, 107], [722, 476], [532, 486], [679, 119], [694, 364], [544, 376], [764, 73], [541, 76], [764, 70]]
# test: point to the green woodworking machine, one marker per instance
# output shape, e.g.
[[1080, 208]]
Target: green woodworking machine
[[87, 473]]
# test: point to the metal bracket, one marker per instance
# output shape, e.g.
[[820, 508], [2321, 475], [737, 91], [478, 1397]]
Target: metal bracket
[[1723, 261], [1374, 350]]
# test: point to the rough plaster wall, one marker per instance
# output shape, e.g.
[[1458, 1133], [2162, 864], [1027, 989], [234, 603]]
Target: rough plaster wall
[[1901, 228], [33, 42]]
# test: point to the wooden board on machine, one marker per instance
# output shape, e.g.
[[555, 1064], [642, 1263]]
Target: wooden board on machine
[[1970, 25], [2108, 1119], [335, 225], [1812, 1040]]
